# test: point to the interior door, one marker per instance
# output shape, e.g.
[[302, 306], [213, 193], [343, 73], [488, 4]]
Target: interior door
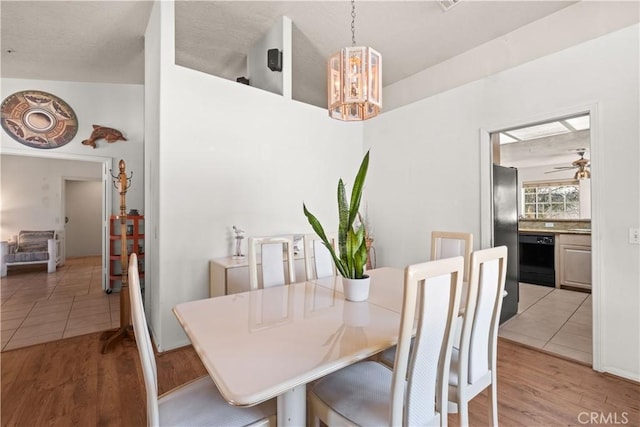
[[83, 217]]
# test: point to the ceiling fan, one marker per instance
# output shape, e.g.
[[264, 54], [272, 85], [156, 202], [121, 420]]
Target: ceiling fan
[[581, 164]]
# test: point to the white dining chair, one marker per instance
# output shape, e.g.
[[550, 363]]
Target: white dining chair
[[318, 262], [276, 267], [446, 244], [196, 403], [415, 392], [473, 363]]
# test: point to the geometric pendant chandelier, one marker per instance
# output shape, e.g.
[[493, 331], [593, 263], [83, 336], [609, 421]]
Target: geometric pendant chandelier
[[354, 80]]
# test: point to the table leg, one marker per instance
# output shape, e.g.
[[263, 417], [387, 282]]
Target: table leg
[[292, 407]]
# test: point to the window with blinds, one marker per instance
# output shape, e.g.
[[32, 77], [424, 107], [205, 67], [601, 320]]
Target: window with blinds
[[551, 199]]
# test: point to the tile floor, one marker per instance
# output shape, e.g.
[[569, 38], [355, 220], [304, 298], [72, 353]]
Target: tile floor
[[556, 320], [39, 307]]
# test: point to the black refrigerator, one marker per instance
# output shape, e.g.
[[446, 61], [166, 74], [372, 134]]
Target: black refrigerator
[[505, 231]]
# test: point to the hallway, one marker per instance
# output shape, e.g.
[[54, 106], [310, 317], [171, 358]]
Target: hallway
[[38, 307]]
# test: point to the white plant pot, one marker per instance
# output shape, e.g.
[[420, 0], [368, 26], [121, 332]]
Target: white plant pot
[[356, 290]]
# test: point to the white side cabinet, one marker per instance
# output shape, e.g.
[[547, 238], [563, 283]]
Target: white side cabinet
[[231, 276], [574, 260]]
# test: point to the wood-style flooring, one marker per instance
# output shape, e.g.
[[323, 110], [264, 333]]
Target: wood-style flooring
[[71, 383]]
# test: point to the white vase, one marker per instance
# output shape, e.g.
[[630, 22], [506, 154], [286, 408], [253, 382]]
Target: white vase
[[356, 290]]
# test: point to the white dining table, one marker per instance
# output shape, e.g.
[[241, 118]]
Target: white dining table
[[272, 342]]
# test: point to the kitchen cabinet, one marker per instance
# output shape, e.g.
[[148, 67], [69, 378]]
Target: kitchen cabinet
[[574, 261]]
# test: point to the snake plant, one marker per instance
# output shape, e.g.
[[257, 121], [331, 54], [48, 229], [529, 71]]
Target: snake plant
[[352, 259]]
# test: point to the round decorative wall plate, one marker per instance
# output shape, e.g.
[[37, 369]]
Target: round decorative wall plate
[[38, 119]]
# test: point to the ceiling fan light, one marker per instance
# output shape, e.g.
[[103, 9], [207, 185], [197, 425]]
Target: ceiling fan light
[[582, 174]]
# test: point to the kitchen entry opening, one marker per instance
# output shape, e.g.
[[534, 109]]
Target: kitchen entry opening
[[552, 235]]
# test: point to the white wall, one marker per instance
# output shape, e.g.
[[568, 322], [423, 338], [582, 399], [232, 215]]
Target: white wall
[[152, 77], [260, 76], [229, 154], [31, 189], [569, 26], [113, 105], [430, 176]]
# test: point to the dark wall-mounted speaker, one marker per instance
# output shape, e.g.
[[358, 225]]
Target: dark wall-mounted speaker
[[274, 60]]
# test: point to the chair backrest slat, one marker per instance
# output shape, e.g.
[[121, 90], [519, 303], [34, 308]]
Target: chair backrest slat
[[451, 247], [447, 244], [432, 295], [323, 261], [478, 348], [276, 259], [318, 261], [272, 265], [143, 342], [482, 312]]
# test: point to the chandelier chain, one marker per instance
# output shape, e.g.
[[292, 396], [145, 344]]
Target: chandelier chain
[[353, 22]]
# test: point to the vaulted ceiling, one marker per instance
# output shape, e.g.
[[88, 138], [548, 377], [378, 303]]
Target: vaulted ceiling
[[103, 41]]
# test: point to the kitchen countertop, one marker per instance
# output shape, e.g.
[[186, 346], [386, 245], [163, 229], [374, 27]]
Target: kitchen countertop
[[554, 231]]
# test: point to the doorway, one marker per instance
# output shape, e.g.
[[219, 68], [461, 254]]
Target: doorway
[[85, 168], [82, 217], [41, 307], [553, 157]]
